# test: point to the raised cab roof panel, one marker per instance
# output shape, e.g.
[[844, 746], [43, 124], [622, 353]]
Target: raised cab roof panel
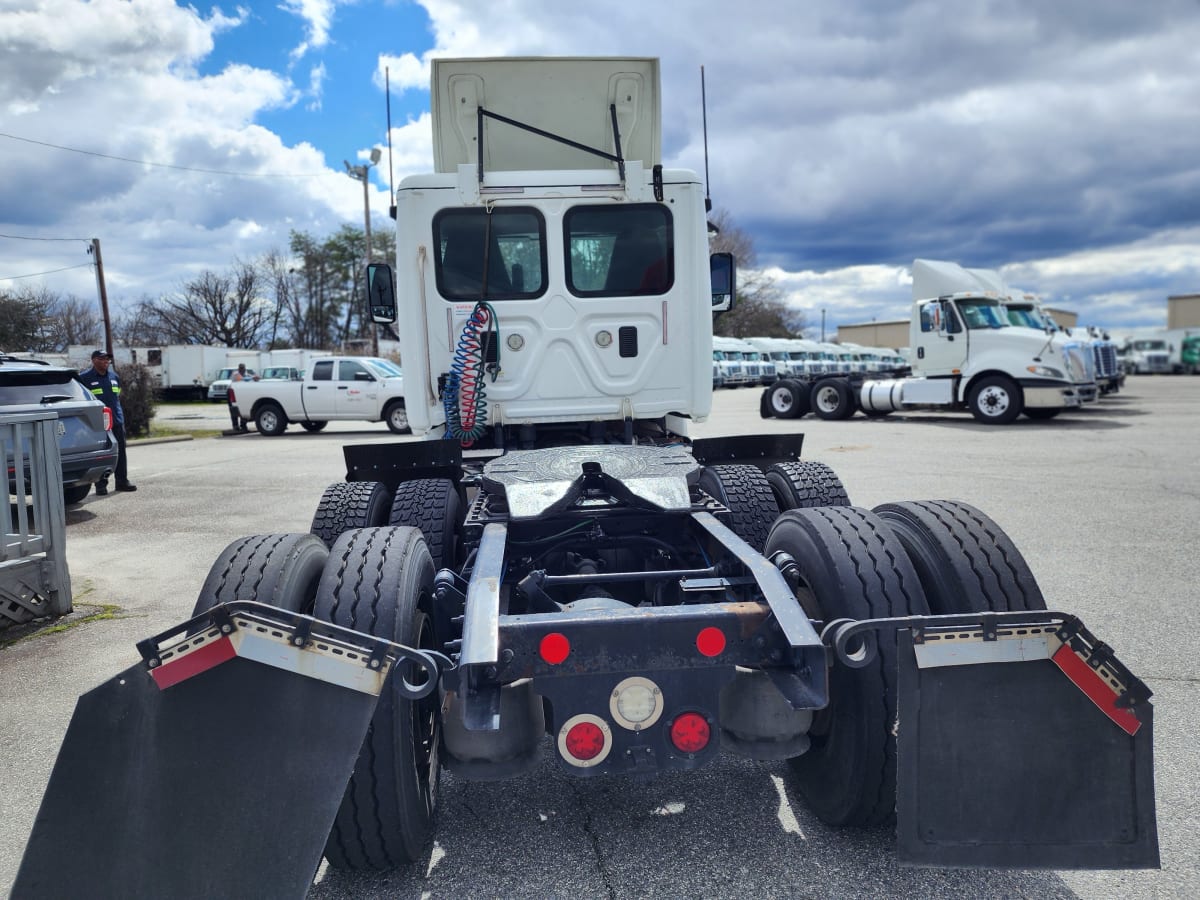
[[937, 278], [567, 96]]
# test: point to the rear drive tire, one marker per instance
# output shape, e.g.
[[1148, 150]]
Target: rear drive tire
[[832, 399], [270, 420], [350, 504], [965, 561], [746, 492], [432, 505], [855, 568], [396, 417], [380, 581], [313, 427], [995, 400], [281, 570], [788, 399], [804, 484]]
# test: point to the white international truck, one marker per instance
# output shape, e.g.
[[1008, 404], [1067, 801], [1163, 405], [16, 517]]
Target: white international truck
[[333, 389], [560, 571], [964, 354]]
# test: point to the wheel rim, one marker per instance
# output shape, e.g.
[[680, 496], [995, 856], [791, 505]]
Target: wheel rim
[[828, 399], [269, 421], [781, 400], [994, 401], [398, 417], [426, 729]]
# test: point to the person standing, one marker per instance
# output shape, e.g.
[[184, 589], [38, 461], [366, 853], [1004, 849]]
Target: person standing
[[101, 379], [239, 423]]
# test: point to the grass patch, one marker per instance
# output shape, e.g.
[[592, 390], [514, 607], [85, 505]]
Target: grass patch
[[101, 613], [161, 431]]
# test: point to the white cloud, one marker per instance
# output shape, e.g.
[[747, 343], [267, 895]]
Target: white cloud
[[1056, 141]]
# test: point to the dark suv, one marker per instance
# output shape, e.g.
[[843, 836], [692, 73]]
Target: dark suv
[[85, 442]]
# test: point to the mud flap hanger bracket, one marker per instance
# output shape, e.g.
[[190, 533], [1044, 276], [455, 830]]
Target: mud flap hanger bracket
[[854, 642], [196, 637]]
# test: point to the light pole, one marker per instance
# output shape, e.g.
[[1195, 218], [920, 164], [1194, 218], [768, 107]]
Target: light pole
[[361, 173]]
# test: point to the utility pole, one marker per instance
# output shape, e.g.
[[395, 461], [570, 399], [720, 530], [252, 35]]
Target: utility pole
[[822, 326], [94, 250], [361, 173]]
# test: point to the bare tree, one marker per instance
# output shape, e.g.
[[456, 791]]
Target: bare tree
[[75, 321], [25, 319], [214, 308], [760, 310]]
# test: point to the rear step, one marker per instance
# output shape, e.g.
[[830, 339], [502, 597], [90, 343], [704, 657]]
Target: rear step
[[1023, 742], [216, 766]]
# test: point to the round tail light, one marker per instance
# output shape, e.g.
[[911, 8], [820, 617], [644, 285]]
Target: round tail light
[[690, 732], [585, 740], [554, 648], [636, 703]]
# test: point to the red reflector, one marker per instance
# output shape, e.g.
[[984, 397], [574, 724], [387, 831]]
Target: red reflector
[[554, 648], [1096, 690], [690, 733], [190, 664], [585, 740], [711, 641]]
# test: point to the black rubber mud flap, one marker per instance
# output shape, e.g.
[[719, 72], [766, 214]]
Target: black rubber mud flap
[[1021, 762], [222, 785]]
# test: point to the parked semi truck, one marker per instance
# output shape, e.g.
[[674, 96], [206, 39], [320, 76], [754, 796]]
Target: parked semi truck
[[559, 558], [964, 355]]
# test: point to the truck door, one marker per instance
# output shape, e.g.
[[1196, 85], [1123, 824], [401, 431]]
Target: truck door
[[357, 391], [320, 391], [942, 341]]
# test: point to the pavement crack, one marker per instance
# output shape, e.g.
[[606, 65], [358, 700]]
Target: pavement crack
[[594, 840]]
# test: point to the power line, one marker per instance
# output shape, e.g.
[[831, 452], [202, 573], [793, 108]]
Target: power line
[[142, 162], [22, 237], [36, 274]]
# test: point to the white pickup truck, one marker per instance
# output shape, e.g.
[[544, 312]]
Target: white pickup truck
[[336, 388]]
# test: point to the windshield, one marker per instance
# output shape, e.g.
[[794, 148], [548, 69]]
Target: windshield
[[384, 367], [1149, 345], [981, 313], [1026, 318]]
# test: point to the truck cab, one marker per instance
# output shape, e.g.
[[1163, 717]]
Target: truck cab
[[578, 246]]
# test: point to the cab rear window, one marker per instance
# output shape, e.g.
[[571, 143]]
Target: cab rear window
[[619, 251], [490, 255]]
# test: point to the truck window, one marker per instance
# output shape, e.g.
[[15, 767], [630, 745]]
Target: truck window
[[512, 241], [323, 371], [619, 251], [980, 314], [352, 370]]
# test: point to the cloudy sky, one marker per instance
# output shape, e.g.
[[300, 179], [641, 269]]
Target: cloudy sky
[[1057, 141]]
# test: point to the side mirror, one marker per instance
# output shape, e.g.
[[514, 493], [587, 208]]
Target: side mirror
[[722, 272], [380, 295]]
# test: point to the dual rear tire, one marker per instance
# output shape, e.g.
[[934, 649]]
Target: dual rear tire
[[938, 557]]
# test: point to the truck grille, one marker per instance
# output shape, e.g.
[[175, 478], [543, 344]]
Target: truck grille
[[1106, 359]]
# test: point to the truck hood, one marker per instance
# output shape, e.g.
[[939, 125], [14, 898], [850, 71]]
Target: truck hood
[[1014, 342]]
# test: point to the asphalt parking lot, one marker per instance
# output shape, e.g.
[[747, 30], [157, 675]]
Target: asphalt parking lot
[[1104, 503]]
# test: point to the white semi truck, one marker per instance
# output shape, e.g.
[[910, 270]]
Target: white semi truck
[[558, 570], [964, 354]]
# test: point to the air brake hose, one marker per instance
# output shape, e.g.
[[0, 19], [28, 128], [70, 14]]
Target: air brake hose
[[465, 398]]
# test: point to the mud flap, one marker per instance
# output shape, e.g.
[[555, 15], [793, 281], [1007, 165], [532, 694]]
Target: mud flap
[[215, 773], [1031, 748]]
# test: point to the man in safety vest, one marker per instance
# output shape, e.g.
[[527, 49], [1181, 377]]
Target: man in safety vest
[[102, 381]]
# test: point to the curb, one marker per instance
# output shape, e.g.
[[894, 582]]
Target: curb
[[170, 439]]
